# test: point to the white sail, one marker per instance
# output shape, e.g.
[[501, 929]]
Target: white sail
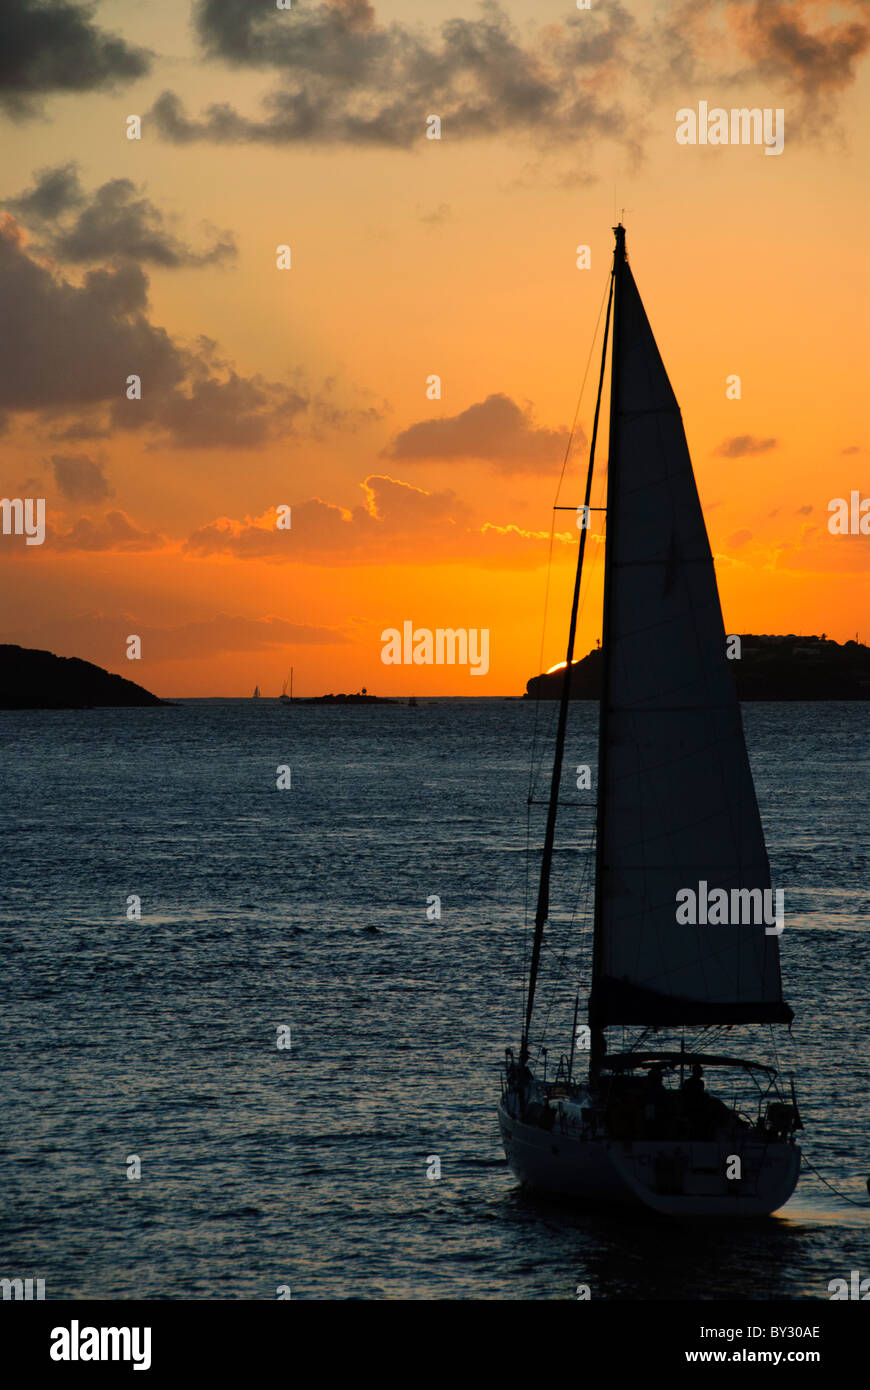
[[679, 805]]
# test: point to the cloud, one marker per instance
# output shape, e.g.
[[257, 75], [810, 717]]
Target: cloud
[[395, 524], [743, 444], [101, 637], [232, 413], [67, 348], [113, 223], [79, 430], [434, 217], [739, 538], [226, 633], [114, 531], [804, 511], [806, 51], [818, 551], [56, 47], [55, 191], [68, 345], [345, 77], [495, 430], [813, 61], [116, 223], [320, 530], [79, 478]]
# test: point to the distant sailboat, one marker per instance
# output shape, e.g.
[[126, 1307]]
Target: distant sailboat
[[256, 695], [284, 698], [676, 810]]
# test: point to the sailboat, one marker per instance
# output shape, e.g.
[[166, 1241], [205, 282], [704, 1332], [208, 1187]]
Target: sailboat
[[675, 810], [284, 698], [256, 695]]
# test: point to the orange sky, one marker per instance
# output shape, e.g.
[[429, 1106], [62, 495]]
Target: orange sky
[[413, 257]]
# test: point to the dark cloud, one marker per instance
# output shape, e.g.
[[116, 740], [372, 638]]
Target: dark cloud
[[235, 412], [69, 347], [79, 430], [740, 445], [113, 223], [804, 511], [346, 77], [813, 47], [55, 191], [117, 223], [56, 47], [495, 430], [114, 531], [807, 52], [80, 478], [66, 345]]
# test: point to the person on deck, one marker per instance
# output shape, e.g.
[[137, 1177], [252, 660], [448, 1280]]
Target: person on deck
[[693, 1088]]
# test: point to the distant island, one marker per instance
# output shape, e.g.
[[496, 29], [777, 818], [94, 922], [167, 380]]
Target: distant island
[[362, 698], [769, 668], [32, 679]]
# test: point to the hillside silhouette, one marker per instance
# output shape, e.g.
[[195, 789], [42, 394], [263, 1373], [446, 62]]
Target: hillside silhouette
[[770, 668], [33, 679]]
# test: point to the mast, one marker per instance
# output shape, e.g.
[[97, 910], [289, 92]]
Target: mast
[[291, 682], [543, 903], [597, 1044]]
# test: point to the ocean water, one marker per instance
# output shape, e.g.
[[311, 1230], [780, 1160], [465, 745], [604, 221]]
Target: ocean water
[[306, 909]]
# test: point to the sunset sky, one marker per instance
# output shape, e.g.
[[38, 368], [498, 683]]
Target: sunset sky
[[411, 257]]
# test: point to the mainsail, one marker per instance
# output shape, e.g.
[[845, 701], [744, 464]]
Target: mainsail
[[676, 801]]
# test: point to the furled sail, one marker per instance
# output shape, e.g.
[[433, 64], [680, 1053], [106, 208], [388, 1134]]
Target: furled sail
[[677, 803]]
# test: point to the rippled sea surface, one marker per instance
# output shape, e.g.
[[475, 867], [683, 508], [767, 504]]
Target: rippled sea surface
[[307, 908]]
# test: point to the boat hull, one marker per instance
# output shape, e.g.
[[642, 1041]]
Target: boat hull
[[674, 1177]]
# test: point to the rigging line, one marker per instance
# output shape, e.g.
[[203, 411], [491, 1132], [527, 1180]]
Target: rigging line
[[527, 863], [543, 903], [553, 521], [592, 569], [583, 891], [836, 1191], [533, 771]]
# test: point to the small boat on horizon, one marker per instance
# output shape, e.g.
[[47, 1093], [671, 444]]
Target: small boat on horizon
[[284, 698], [256, 695], [675, 814]]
